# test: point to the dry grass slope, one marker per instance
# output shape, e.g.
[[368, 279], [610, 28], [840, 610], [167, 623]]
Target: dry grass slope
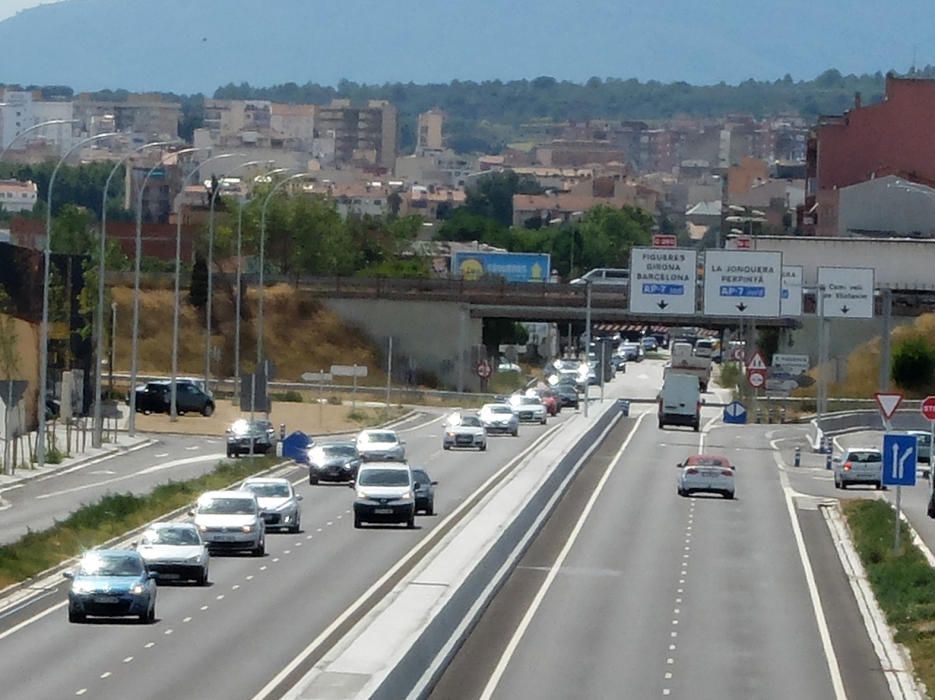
[[301, 335]]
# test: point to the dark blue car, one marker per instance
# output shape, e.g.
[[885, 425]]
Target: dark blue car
[[111, 583]]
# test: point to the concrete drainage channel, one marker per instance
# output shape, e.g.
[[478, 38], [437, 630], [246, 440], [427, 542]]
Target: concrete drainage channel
[[400, 647]]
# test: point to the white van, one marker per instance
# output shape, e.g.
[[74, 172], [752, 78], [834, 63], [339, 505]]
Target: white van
[[680, 401], [605, 275]]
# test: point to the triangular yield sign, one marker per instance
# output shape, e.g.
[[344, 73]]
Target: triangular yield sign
[[757, 363], [888, 403]]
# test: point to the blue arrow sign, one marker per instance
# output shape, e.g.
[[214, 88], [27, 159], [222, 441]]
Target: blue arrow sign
[[899, 459], [735, 413], [670, 289], [733, 290]]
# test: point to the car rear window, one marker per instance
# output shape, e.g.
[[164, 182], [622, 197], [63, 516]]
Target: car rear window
[[864, 456]]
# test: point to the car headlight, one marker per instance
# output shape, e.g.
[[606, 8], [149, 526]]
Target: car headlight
[[405, 498], [194, 558], [449, 434], [202, 528], [248, 528], [362, 495], [137, 589]]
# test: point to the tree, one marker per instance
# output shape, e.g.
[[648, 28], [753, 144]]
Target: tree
[[198, 291], [492, 195], [9, 365], [913, 364], [502, 331]]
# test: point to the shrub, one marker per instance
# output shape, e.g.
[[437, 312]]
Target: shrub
[[913, 364]]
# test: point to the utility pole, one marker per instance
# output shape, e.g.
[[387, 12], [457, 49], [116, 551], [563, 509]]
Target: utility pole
[[885, 359]]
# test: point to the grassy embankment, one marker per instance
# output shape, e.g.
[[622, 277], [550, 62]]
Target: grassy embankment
[[111, 516], [902, 581]]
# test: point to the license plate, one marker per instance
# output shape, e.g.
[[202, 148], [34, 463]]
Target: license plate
[[223, 538], [106, 599], [382, 511], [169, 576]]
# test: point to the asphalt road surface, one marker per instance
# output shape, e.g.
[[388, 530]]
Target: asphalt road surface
[[655, 595]]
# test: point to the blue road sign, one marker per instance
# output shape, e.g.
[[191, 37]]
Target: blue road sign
[[736, 290], [785, 294], [899, 459], [670, 289], [735, 413]]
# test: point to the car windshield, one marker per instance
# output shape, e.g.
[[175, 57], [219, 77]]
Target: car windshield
[[501, 409], [227, 506], [707, 461], [96, 564], [244, 427], [419, 476], [269, 490], [379, 437], [171, 535], [339, 451], [383, 477], [864, 457], [471, 421], [530, 401]]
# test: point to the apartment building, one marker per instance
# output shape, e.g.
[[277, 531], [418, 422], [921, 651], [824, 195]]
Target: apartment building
[[148, 117], [20, 110], [429, 135], [366, 134]]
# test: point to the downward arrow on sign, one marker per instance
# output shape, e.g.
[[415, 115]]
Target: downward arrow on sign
[[844, 309], [741, 306], [662, 304]]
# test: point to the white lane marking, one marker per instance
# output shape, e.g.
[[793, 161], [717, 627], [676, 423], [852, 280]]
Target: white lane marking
[[34, 618], [103, 472], [106, 674], [161, 455], [249, 577], [674, 634], [81, 692], [149, 645], [671, 647], [520, 630], [275, 559], [91, 463], [193, 447], [318, 530], [204, 607], [330, 522], [263, 568], [830, 657], [670, 661], [287, 551], [422, 425], [308, 537], [235, 586], [134, 475], [187, 619], [128, 659], [401, 562], [666, 691], [220, 596], [297, 544], [169, 631], [704, 433]]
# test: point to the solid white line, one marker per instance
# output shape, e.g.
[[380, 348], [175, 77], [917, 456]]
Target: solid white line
[[34, 618], [401, 562], [134, 475], [85, 465], [553, 571], [831, 659]]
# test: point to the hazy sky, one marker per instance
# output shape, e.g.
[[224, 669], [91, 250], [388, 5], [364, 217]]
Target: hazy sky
[[11, 7]]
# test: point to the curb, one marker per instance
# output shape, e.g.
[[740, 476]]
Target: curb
[[895, 661]]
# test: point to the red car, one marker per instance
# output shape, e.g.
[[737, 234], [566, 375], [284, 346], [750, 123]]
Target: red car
[[550, 400]]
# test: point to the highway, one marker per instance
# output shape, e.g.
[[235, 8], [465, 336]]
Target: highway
[[633, 591], [232, 638]]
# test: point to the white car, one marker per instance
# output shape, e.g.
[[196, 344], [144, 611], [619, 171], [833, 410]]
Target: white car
[[860, 465], [703, 474], [529, 409], [499, 418], [279, 503], [377, 444], [230, 520], [175, 551], [385, 493], [465, 430]]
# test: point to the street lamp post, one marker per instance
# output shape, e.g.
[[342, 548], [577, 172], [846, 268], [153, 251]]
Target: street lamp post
[[262, 290], [44, 325], [240, 203], [35, 127], [208, 309], [134, 342], [173, 389], [97, 435]]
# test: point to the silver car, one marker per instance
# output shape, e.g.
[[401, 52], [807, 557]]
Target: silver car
[[529, 409], [278, 501], [230, 520], [380, 445], [175, 552], [499, 418], [862, 465], [465, 430]]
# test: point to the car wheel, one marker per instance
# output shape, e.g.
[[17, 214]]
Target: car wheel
[[515, 433], [312, 479], [202, 579], [729, 495], [430, 510], [878, 486], [357, 522], [145, 411], [446, 446], [661, 425], [296, 528], [542, 422], [208, 410], [260, 549], [411, 523], [696, 427], [483, 447], [837, 484], [843, 485], [75, 616]]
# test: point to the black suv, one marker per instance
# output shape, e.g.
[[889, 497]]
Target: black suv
[[242, 433], [154, 397]]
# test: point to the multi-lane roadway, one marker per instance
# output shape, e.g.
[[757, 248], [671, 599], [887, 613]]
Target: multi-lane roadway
[[629, 590]]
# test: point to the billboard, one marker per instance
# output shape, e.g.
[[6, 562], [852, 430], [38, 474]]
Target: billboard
[[513, 267]]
